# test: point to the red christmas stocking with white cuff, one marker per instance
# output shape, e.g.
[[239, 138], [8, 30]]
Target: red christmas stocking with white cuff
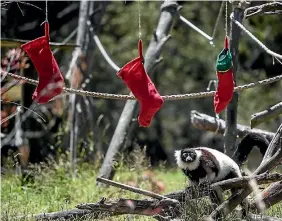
[[51, 81], [138, 81]]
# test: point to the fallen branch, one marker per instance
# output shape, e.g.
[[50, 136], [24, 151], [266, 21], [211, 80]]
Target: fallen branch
[[209, 123], [130, 188], [15, 43], [265, 115], [266, 9], [129, 206]]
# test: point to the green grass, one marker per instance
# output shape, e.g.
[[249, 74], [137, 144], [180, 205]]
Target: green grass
[[55, 189]]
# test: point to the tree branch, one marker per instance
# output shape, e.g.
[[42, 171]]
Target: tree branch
[[209, 123], [265, 9], [265, 115]]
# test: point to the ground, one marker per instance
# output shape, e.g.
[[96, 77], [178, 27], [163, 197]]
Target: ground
[[55, 189]]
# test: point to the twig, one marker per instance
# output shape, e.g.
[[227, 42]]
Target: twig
[[268, 8], [266, 49], [209, 123], [265, 115], [165, 97], [101, 48], [14, 43]]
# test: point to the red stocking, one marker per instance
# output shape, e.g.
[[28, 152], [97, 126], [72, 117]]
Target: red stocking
[[51, 81], [226, 83], [138, 81]]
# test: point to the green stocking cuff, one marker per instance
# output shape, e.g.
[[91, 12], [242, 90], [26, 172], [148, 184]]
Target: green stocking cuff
[[224, 61]]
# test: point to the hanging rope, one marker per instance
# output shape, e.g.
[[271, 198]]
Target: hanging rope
[[226, 18], [46, 10], [166, 97], [139, 21], [217, 20]]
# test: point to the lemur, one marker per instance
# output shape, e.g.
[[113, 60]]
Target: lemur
[[205, 164]]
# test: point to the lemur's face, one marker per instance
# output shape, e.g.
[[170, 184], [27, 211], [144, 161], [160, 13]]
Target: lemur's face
[[188, 155]]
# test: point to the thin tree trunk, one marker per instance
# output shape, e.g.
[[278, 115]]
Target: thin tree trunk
[[230, 133], [80, 40], [168, 11]]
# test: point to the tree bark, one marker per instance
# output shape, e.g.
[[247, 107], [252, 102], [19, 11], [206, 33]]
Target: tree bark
[[168, 11], [206, 122], [230, 133]]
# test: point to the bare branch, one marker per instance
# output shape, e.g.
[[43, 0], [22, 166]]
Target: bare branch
[[101, 48], [209, 123], [265, 115], [130, 188], [266, 49], [265, 9]]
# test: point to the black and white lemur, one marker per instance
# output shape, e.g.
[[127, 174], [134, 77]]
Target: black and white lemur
[[206, 164], [202, 164]]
